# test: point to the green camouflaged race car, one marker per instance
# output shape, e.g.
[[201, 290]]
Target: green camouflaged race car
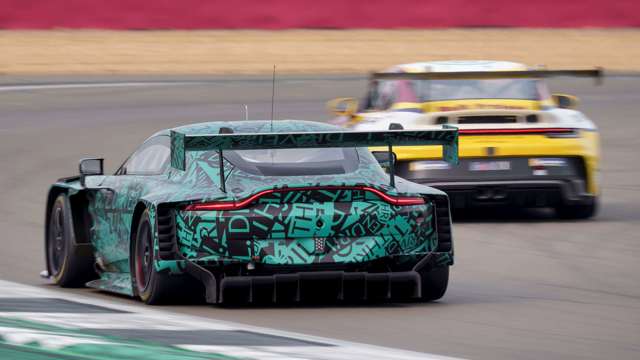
[[254, 212]]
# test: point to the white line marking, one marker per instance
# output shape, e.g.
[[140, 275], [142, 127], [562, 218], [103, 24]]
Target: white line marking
[[92, 85], [250, 352], [114, 321], [47, 339], [140, 316]]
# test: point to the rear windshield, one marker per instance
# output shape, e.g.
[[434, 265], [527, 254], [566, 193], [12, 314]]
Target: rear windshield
[[394, 91], [292, 162], [434, 90]]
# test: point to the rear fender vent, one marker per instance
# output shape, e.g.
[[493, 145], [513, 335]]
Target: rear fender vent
[[443, 223], [167, 234]]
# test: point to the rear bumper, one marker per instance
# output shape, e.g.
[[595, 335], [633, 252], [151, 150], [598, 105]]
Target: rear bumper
[[523, 181], [389, 270], [313, 284], [320, 286], [521, 193]]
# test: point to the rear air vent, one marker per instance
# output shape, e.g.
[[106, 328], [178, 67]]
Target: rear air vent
[[167, 234], [489, 119], [443, 223]]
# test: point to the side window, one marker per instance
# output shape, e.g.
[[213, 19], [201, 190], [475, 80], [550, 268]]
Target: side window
[[381, 95], [386, 94], [371, 97], [151, 158]]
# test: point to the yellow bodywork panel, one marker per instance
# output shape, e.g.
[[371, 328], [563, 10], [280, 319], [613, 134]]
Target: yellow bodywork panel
[[476, 146], [472, 104]]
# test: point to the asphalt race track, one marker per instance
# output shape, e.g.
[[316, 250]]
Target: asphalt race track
[[524, 285]]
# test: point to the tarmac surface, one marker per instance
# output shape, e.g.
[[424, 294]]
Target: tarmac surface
[[524, 284]]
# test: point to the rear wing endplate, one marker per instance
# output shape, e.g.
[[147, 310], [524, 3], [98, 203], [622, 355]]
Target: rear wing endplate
[[181, 143], [596, 73]]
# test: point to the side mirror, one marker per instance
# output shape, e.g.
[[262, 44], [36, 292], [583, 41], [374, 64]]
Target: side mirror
[[92, 166], [383, 158], [343, 106], [565, 101]]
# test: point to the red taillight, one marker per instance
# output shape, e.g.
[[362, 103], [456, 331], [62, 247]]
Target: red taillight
[[237, 205], [228, 205], [514, 131], [394, 200], [213, 206]]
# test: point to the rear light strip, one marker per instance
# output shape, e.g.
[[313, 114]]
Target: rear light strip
[[514, 131], [240, 204]]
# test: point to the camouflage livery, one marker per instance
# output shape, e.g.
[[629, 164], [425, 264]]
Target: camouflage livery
[[353, 226], [336, 219]]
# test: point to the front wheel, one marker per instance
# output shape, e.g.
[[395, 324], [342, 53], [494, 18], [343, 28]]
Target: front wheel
[[434, 283], [66, 267]]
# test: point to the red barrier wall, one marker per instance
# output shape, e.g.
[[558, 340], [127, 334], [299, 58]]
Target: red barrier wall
[[284, 14]]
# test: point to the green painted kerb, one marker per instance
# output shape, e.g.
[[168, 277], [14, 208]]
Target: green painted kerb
[[25, 340]]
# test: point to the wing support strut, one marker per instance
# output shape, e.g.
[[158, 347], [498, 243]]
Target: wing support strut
[[223, 186], [392, 167]]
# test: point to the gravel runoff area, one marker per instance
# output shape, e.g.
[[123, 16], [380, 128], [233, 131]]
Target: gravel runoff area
[[304, 51]]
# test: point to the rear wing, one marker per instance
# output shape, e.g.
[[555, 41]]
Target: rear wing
[[181, 143], [596, 73]]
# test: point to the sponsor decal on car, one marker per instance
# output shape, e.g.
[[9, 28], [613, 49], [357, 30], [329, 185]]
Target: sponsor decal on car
[[429, 165], [480, 107], [489, 165], [547, 162]]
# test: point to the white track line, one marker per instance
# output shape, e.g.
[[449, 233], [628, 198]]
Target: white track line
[[146, 317], [93, 85]]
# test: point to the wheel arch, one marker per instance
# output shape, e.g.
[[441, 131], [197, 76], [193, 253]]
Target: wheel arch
[[78, 202], [139, 209], [80, 222], [53, 194], [141, 206]]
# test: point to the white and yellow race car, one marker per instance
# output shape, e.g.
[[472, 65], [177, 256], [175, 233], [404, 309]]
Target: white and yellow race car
[[519, 144]]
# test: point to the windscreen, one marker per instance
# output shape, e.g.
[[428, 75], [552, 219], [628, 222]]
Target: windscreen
[[292, 162], [394, 91], [436, 90]]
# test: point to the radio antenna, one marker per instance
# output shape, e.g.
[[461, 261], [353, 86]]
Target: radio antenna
[[273, 93], [246, 112]]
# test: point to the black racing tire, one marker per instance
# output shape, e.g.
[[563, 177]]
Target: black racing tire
[[578, 212], [434, 283], [152, 287], [66, 267]]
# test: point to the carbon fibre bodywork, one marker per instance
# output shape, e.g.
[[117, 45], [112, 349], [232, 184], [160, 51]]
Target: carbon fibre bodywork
[[303, 221]]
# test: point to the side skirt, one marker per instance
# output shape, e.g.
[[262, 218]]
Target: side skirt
[[119, 283]]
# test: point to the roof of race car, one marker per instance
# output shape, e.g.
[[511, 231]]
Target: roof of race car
[[254, 127], [458, 65]]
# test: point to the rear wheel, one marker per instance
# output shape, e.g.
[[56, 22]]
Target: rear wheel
[[434, 283], [582, 211], [152, 287], [66, 267]]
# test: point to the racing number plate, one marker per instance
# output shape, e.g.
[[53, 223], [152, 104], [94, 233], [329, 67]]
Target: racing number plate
[[489, 165]]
